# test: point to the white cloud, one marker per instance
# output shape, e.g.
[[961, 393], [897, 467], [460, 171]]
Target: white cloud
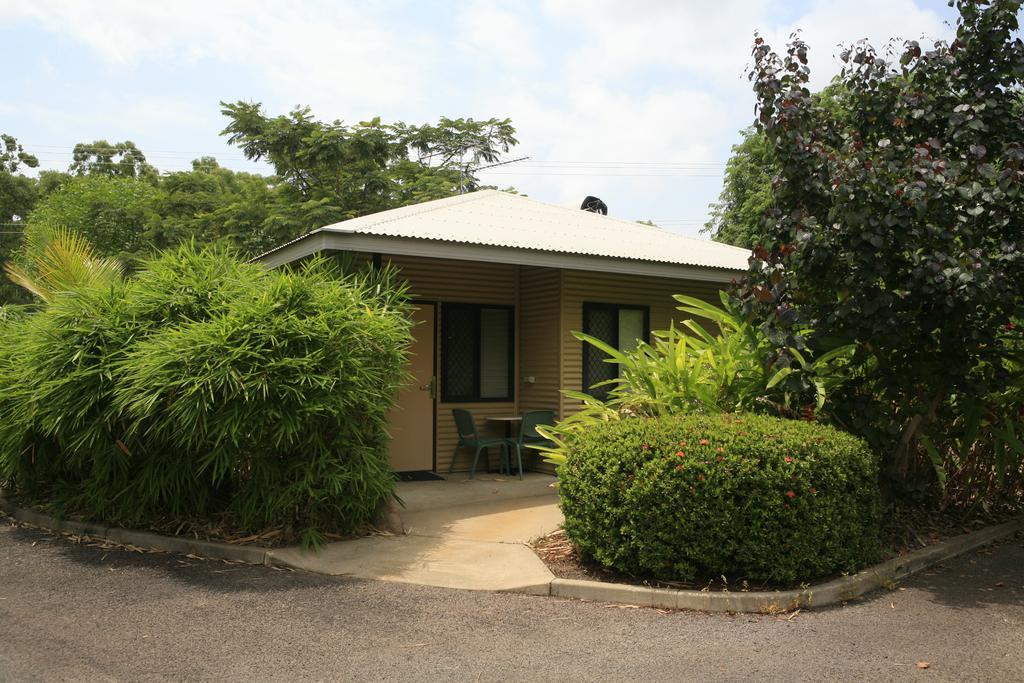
[[498, 36], [337, 55], [830, 25], [583, 80]]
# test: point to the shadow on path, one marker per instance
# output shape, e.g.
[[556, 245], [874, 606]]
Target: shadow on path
[[212, 575], [993, 575]]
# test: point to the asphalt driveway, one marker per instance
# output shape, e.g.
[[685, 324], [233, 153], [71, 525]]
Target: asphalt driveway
[[72, 611]]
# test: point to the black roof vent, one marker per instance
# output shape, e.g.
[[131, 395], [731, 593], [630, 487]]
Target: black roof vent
[[594, 205]]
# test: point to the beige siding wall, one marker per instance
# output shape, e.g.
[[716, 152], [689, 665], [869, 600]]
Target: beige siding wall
[[440, 280], [581, 286], [539, 316], [548, 308], [540, 306]]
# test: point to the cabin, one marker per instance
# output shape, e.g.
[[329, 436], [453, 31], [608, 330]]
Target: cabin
[[500, 282]]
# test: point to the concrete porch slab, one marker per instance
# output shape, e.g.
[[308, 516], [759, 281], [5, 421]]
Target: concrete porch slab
[[459, 489], [487, 508], [427, 561], [501, 521], [460, 533]]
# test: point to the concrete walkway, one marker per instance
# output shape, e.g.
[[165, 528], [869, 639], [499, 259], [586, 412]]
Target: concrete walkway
[[460, 533]]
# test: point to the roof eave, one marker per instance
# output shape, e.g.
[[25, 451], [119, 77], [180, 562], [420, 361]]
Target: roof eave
[[336, 240]]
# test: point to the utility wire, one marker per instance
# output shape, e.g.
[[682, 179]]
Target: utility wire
[[57, 154], [612, 175]]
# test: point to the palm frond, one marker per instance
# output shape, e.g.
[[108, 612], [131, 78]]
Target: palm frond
[[61, 260]]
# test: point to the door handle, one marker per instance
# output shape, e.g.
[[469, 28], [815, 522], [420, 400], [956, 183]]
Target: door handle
[[430, 386]]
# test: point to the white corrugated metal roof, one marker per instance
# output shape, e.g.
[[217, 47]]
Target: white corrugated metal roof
[[494, 218]]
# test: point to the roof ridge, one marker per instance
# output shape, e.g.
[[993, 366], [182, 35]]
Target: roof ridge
[[634, 224], [426, 207]]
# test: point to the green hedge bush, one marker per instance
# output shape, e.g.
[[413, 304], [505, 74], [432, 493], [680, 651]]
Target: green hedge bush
[[742, 496], [207, 386]]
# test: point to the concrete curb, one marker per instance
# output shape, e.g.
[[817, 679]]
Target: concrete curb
[[819, 595]]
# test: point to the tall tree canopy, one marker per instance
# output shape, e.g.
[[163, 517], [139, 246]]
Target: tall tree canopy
[[215, 205], [18, 194], [747, 187], [746, 191], [113, 213], [325, 172], [340, 171], [119, 160], [897, 224]]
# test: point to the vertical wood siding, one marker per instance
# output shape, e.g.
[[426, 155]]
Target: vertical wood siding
[[540, 306], [442, 280], [539, 310], [548, 306]]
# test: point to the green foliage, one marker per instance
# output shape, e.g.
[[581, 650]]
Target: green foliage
[[112, 213], [702, 496], [18, 194], [326, 172], [218, 206], [735, 368], [206, 385], [13, 156], [343, 171], [118, 160], [896, 225], [60, 261], [11, 312], [746, 191], [979, 456]]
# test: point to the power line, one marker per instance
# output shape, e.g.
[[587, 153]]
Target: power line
[[645, 164], [611, 175], [67, 150], [59, 148]]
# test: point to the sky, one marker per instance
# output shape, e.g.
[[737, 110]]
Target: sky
[[636, 102]]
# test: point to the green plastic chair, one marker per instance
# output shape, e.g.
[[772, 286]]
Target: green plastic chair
[[468, 438], [528, 433]]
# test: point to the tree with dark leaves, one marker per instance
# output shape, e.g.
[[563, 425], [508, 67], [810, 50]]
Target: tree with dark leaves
[[897, 226]]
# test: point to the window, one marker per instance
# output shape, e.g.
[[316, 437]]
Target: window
[[477, 347], [622, 327]]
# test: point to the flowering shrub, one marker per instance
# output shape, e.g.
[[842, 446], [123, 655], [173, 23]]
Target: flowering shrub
[[744, 496]]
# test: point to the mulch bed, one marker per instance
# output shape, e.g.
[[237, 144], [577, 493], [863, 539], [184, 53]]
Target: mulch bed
[[904, 530]]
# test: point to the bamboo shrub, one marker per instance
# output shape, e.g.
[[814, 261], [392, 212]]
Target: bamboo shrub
[[209, 386]]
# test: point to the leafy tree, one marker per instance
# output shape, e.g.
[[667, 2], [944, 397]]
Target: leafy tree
[[746, 191], [50, 181], [448, 144], [120, 160], [325, 173], [114, 214], [13, 156], [215, 205], [337, 171], [18, 194], [896, 224], [747, 188]]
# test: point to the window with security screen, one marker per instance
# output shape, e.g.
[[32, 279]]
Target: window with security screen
[[477, 353], [621, 327]]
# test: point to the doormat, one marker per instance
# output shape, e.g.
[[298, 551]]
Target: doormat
[[422, 475]]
